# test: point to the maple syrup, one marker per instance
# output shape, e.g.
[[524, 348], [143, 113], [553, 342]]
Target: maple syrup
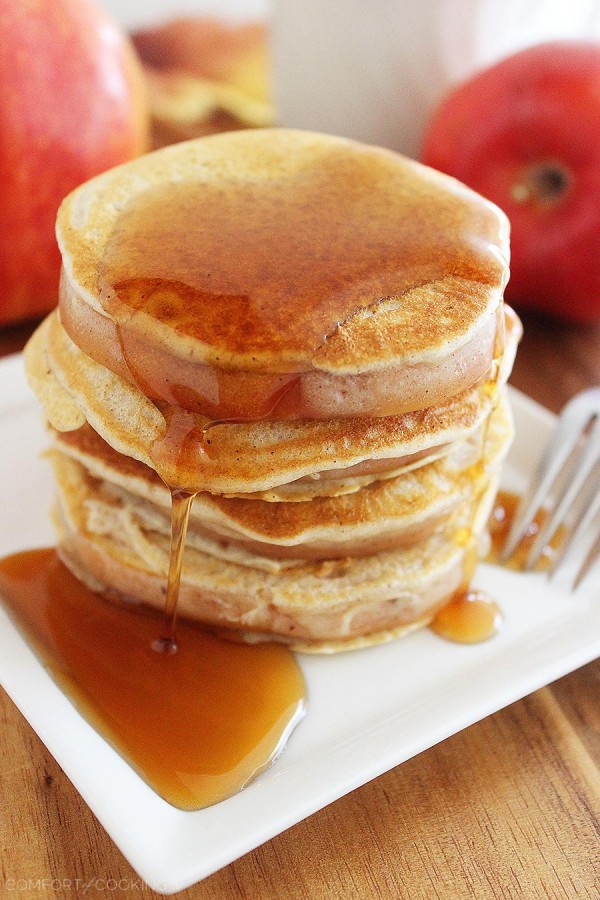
[[197, 724], [260, 272], [500, 524], [181, 504], [473, 615], [470, 617]]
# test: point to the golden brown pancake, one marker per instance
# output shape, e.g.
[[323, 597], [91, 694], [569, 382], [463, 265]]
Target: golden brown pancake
[[284, 274]]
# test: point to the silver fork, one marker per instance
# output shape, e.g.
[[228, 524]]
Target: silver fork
[[567, 484]]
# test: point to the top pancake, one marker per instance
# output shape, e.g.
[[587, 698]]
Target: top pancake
[[278, 251]]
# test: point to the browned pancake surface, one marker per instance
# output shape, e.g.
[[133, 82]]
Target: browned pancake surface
[[285, 251]]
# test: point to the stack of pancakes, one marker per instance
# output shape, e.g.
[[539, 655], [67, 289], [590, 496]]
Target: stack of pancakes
[[309, 335]]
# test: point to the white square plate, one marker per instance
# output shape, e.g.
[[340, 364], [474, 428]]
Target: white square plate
[[367, 711]]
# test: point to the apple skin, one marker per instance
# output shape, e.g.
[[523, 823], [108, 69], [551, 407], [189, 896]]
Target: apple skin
[[72, 104], [525, 133]]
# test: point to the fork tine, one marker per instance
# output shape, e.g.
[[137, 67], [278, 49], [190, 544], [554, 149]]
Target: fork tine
[[562, 443], [585, 465], [588, 562], [581, 538]]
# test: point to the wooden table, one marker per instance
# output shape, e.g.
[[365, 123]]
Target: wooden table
[[508, 808]]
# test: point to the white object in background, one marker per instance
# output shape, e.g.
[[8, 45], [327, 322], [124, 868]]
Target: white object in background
[[374, 71], [135, 14]]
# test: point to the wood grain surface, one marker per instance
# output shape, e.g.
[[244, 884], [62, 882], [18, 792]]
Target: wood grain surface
[[508, 808]]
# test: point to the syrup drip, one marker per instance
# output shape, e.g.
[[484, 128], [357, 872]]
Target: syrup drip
[[181, 504], [197, 725], [470, 617], [214, 392]]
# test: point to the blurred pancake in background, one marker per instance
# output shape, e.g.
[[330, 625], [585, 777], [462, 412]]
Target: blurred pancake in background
[[205, 76]]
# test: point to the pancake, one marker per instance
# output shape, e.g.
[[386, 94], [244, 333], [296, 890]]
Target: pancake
[[388, 514], [318, 606], [247, 457], [285, 275]]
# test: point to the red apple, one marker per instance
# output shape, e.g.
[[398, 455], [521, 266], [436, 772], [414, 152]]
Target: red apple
[[526, 134], [71, 105]]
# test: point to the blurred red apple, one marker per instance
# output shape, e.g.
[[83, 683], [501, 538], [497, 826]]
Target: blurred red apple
[[526, 134], [72, 104]]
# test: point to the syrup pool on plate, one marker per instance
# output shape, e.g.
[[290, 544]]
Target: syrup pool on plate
[[472, 615], [500, 523], [198, 724]]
